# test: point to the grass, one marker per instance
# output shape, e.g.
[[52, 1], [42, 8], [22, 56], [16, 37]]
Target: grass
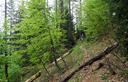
[[73, 61], [92, 48]]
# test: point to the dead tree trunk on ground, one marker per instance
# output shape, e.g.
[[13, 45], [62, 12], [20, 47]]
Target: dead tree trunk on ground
[[34, 77], [91, 61]]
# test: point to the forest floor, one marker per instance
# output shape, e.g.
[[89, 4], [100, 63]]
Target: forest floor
[[100, 71]]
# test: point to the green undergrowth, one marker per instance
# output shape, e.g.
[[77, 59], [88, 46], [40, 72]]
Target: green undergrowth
[[73, 61], [92, 48]]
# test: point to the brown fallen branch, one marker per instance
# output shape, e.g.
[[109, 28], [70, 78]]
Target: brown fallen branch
[[38, 74], [64, 55], [34, 77], [60, 58], [92, 60]]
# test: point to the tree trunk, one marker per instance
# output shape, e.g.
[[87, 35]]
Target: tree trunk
[[70, 26], [40, 59], [91, 61], [53, 50], [34, 77], [6, 52]]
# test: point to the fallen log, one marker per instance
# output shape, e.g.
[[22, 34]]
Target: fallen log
[[64, 55], [34, 77], [38, 74], [91, 61]]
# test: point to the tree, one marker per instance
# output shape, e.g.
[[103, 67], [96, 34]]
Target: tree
[[38, 35], [67, 25], [5, 36], [8, 46], [95, 20], [118, 14]]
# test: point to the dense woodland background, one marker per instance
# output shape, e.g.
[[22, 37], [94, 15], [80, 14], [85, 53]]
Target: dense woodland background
[[36, 35]]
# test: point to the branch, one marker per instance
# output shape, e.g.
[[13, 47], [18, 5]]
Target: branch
[[38, 74], [92, 60], [34, 77]]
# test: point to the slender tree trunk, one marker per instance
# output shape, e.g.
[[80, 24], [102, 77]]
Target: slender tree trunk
[[80, 16], [70, 26], [65, 64], [65, 12], [41, 61], [45, 67], [6, 71], [38, 57], [5, 30], [11, 21], [56, 9], [53, 50]]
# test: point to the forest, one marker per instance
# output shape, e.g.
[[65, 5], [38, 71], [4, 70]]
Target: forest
[[64, 41]]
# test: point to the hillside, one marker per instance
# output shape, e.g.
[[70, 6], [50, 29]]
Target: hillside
[[64, 41], [100, 71]]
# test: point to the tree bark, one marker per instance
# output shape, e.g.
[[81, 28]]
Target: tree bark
[[91, 61], [53, 50], [6, 52], [34, 77]]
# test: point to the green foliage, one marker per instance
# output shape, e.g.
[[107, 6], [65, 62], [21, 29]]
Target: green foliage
[[36, 30], [40, 33], [119, 20], [14, 75], [31, 39], [95, 17]]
